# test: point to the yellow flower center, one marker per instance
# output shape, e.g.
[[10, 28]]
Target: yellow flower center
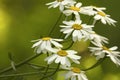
[[105, 48], [76, 70], [77, 26], [46, 38], [62, 53], [60, 0], [74, 8], [101, 13]]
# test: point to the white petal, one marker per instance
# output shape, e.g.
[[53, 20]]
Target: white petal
[[68, 75], [73, 78], [63, 60], [71, 52], [56, 44], [36, 44], [67, 12], [74, 56], [78, 5], [97, 17], [48, 44], [68, 62], [43, 45], [50, 59], [61, 7], [56, 5], [68, 35], [68, 31], [84, 77], [51, 3], [113, 48], [103, 20], [69, 23], [75, 61], [79, 77], [58, 39], [75, 33], [38, 50], [58, 59]]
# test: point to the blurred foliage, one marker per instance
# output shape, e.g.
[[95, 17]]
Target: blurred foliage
[[24, 20]]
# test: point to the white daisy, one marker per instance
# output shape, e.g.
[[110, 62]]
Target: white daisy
[[60, 3], [42, 45], [63, 56], [101, 50], [75, 73], [97, 39], [105, 18], [77, 29], [77, 8]]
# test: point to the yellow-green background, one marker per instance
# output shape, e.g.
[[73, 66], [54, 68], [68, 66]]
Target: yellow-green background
[[24, 20]]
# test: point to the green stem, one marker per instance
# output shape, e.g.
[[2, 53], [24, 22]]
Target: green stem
[[69, 46], [52, 73], [96, 64], [39, 66], [27, 74], [47, 68], [89, 20], [21, 63], [20, 74], [55, 25]]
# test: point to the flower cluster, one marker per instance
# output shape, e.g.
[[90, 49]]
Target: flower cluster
[[77, 30]]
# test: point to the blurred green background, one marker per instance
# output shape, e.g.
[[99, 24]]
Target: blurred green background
[[24, 20]]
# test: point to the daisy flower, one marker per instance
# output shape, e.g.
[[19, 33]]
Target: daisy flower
[[103, 17], [74, 73], [77, 29], [100, 51], [97, 39], [77, 8], [60, 3], [42, 45], [63, 56]]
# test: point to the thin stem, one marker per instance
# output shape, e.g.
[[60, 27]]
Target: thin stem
[[20, 74], [55, 24], [69, 46], [96, 64], [21, 63], [90, 20], [47, 68], [27, 74], [39, 66], [94, 22], [52, 73]]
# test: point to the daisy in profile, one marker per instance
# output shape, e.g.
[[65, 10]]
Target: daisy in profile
[[102, 16], [63, 56], [77, 8], [77, 29], [42, 45], [74, 73], [60, 3], [100, 51], [97, 39]]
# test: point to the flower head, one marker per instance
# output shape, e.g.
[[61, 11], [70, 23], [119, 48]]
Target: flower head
[[60, 3], [101, 15], [63, 56], [97, 39], [77, 8], [101, 50], [42, 45], [75, 73], [78, 30]]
